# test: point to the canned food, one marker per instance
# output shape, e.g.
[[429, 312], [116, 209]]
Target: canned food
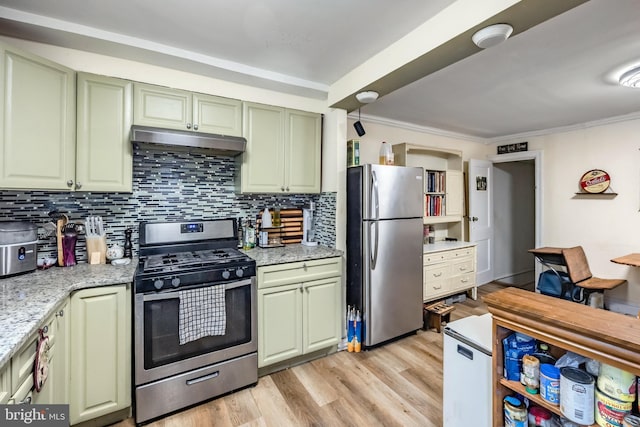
[[610, 412], [577, 395], [550, 383]]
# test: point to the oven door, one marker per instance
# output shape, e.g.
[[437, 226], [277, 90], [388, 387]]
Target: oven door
[[158, 353]]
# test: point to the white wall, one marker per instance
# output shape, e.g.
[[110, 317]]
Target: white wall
[[605, 227]]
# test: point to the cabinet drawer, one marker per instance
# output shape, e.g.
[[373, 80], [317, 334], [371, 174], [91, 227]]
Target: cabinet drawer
[[436, 272], [22, 393], [297, 272], [462, 282], [459, 253], [462, 266], [434, 257]]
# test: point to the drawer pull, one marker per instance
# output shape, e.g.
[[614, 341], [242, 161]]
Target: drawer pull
[[464, 280], [25, 401], [203, 378], [437, 274], [60, 313], [463, 268]]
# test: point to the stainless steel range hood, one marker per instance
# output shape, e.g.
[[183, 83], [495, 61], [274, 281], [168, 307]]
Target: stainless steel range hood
[[223, 145]]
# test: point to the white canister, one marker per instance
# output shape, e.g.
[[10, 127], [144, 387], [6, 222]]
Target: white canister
[[577, 395]]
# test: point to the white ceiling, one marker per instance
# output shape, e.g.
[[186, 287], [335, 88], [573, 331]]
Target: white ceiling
[[559, 73]]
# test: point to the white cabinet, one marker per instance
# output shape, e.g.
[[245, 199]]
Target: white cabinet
[[449, 271], [101, 357], [298, 309], [18, 380], [168, 108], [104, 151], [283, 150], [444, 186], [37, 122]]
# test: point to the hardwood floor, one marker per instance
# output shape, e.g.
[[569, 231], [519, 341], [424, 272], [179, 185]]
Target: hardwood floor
[[398, 384]]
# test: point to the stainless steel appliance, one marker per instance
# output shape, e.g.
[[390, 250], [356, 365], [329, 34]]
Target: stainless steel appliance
[[384, 249], [467, 387], [18, 247], [176, 259]]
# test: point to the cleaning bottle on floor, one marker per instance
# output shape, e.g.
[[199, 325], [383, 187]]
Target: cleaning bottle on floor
[[350, 329], [358, 333]]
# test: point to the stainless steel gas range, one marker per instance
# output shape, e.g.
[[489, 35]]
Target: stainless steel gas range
[[195, 310]]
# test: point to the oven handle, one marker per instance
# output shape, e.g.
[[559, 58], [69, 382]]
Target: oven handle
[[174, 293], [205, 378]]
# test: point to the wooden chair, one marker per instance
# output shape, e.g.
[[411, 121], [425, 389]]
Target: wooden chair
[[580, 274]]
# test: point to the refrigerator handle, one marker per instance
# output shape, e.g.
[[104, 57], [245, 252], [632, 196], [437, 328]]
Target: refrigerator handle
[[373, 255], [374, 194]]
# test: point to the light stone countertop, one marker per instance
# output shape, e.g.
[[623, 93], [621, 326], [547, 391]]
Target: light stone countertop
[[290, 253], [27, 300], [445, 246]]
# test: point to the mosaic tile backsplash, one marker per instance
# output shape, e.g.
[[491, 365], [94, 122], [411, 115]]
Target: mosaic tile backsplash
[[166, 186]]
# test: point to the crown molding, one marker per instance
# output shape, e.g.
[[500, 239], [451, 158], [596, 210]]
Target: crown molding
[[499, 139], [417, 128]]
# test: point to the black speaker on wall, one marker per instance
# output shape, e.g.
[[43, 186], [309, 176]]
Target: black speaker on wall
[[359, 128]]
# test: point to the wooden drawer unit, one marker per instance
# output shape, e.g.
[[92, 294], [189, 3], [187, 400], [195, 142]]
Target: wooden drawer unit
[[449, 271], [296, 272]]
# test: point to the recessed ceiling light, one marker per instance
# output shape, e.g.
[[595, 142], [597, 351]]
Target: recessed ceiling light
[[367, 97], [492, 35], [631, 78]]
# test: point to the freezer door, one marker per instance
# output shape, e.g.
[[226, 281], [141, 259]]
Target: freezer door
[[392, 192], [393, 279]]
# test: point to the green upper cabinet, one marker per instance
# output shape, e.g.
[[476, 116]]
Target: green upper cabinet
[[283, 150], [104, 152], [168, 108], [37, 122]]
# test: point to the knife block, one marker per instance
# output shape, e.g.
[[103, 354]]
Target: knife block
[[97, 250]]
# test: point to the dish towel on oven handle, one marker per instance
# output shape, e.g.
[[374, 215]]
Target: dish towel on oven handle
[[202, 313]]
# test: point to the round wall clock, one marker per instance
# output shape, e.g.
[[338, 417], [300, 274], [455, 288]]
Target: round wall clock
[[595, 181]]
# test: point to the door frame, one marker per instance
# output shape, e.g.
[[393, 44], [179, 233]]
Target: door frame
[[537, 157]]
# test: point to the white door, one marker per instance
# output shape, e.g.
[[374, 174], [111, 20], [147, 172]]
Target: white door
[[480, 217]]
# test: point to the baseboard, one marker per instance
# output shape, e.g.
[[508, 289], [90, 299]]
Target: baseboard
[[621, 306]]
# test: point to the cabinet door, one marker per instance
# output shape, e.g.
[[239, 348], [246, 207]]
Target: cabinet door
[[100, 352], [321, 310], [37, 122], [263, 162], [162, 107], [303, 151], [5, 384], [455, 193], [212, 114], [104, 152], [279, 324], [56, 388]]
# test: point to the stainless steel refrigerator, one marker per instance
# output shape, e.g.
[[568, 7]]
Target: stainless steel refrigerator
[[384, 249]]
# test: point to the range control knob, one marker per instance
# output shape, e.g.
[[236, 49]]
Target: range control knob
[[158, 283], [239, 272], [175, 282], [226, 274]]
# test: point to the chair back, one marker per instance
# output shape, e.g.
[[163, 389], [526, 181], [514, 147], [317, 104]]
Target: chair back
[[577, 265]]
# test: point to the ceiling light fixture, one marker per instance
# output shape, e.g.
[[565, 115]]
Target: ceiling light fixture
[[631, 78], [367, 97], [492, 35]]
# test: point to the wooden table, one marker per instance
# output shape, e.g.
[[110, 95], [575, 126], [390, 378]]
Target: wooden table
[[631, 259]]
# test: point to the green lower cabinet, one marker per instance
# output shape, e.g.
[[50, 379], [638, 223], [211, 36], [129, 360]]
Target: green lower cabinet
[[101, 352], [298, 318]]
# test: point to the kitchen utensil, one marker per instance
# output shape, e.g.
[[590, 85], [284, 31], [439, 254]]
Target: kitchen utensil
[[69, 239]]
